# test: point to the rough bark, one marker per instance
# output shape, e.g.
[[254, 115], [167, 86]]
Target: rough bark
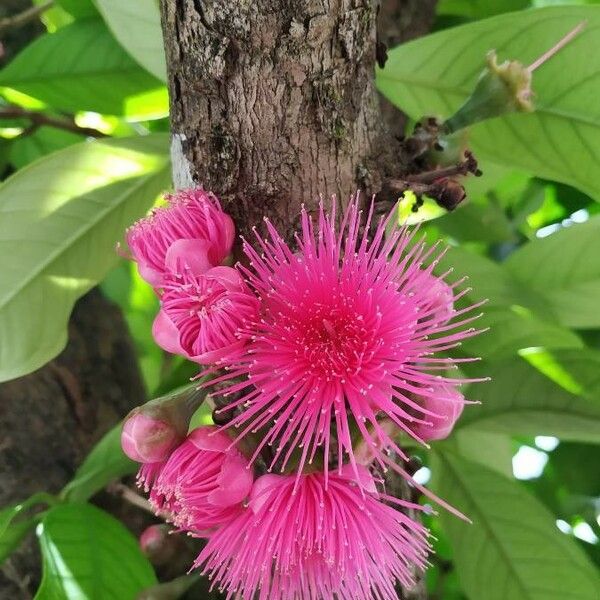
[[273, 103], [50, 419]]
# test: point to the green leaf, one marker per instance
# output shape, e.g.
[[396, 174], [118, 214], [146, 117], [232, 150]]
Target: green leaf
[[565, 267], [493, 450], [513, 548], [518, 317], [82, 67], [13, 535], [60, 219], [89, 554], [139, 304], [549, 392], [44, 141], [136, 26], [561, 139], [13, 527], [514, 328], [104, 463], [80, 9], [479, 9]]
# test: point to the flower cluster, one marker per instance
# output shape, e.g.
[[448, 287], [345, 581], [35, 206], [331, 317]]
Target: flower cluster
[[323, 355]]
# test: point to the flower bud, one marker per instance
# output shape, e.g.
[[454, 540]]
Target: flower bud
[[443, 407], [157, 544], [501, 89], [146, 439], [151, 431]]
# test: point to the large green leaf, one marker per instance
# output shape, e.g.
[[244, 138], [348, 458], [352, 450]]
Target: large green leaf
[[136, 25], [493, 450], [479, 9], [60, 219], [561, 139], [14, 526], [82, 67], [104, 463], [80, 9], [518, 316], [89, 555], [566, 268], [513, 549], [552, 392], [44, 141]]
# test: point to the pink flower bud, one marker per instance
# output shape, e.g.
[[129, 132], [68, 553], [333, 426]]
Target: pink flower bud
[[202, 316], [443, 409], [204, 481], [157, 544], [146, 439], [440, 298], [191, 232]]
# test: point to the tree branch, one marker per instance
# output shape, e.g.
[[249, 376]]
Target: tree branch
[[24, 17], [38, 119]]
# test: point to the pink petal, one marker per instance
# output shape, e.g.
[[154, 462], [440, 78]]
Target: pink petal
[[166, 334], [189, 254]]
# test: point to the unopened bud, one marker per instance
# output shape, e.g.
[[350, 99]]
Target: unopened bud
[[152, 431], [157, 544], [447, 405], [148, 440]]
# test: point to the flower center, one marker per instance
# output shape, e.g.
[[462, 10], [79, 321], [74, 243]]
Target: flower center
[[333, 342]]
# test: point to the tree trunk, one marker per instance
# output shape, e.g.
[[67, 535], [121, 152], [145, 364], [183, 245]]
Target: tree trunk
[[50, 419], [273, 103]]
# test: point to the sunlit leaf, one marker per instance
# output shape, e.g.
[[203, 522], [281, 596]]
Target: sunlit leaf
[[559, 395], [82, 67], [565, 267], [136, 26], [89, 554], [60, 219]]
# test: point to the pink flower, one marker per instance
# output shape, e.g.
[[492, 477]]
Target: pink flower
[[201, 316], [348, 333], [190, 232], [147, 439], [445, 405], [440, 297], [203, 482], [316, 541]]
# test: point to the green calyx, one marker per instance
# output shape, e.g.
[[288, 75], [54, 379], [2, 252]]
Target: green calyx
[[501, 89]]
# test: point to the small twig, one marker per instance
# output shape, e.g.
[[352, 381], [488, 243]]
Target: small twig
[[121, 490], [38, 119], [24, 17]]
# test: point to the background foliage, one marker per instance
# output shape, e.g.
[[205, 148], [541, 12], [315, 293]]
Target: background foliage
[[523, 463]]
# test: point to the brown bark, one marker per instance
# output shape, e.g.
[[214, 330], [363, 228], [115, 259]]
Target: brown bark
[[51, 418], [273, 102]]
